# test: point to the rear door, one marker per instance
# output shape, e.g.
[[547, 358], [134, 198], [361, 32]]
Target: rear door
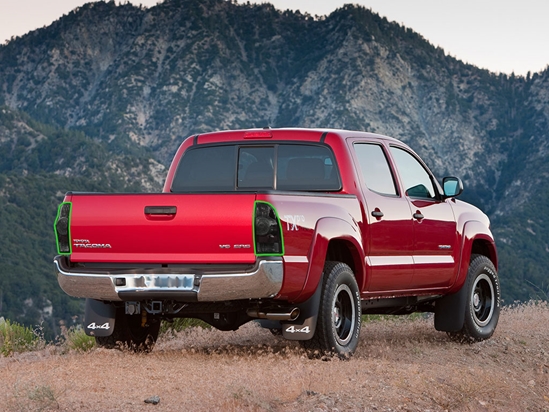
[[388, 222]]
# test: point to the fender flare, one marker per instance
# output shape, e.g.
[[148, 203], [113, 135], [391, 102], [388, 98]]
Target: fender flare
[[473, 230], [326, 230]]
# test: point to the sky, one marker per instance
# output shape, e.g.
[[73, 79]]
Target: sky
[[503, 36]]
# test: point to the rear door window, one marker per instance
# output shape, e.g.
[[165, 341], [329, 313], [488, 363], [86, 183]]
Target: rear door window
[[375, 168]]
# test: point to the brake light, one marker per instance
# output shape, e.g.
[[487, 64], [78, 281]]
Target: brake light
[[258, 135], [268, 239], [62, 228]]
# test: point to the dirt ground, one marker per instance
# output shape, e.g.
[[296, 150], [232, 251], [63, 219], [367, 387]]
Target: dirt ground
[[400, 365]]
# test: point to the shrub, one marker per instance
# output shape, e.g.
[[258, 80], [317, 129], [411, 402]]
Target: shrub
[[77, 340], [180, 324], [17, 338]]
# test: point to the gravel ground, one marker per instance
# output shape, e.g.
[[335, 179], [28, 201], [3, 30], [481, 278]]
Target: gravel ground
[[401, 364]]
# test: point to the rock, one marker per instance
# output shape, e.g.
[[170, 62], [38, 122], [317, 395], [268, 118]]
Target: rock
[[155, 400]]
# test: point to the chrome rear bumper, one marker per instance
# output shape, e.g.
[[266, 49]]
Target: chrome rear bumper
[[264, 280]]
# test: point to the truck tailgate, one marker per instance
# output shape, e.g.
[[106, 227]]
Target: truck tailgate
[[162, 228]]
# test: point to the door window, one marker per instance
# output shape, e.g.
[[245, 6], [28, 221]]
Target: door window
[[416, 180], [375, 169]]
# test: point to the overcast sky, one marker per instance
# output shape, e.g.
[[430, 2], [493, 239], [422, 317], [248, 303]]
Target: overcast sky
[[500, 35]]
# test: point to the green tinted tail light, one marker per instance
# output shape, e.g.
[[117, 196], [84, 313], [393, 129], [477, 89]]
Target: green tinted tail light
[[268, 239], [62, 229]]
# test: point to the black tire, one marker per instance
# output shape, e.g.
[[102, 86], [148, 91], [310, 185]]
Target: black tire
[[129, 334], [483, 300], [339, 315]]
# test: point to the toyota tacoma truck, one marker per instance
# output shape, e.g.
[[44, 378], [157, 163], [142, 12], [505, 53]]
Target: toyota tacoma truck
[[303, 230]]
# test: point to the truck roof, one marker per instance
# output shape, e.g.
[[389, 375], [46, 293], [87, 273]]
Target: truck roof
[[304, 134]]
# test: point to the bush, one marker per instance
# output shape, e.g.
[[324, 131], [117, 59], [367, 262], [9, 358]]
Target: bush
[[180, 324], [77, 340], [17, 338]]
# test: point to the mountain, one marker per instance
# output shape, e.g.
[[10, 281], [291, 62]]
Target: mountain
[[125, 81], [38, 164]]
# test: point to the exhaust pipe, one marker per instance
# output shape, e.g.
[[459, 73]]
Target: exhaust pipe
[[291, 315]]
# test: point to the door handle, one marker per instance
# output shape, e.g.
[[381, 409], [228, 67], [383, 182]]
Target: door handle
[[378, 214], [160, 210], [418, 215]]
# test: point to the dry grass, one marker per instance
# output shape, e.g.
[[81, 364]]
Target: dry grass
[[400, 365]]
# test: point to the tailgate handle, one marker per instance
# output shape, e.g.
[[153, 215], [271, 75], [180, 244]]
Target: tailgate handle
[[160, 210]]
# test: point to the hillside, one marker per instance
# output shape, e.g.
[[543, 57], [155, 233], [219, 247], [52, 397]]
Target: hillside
[[116, 88], [38, 163], [400, 365]]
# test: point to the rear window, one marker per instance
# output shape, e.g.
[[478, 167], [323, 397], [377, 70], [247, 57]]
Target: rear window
[[248, 167]]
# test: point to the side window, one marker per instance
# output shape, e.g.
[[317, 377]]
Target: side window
[[415, 179], [375, 168]]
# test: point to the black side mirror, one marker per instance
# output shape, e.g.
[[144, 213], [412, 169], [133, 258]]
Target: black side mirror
[[452, 186]]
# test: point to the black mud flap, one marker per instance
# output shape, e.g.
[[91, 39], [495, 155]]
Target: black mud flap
[[450, 311], [304, 327], [99, 318]]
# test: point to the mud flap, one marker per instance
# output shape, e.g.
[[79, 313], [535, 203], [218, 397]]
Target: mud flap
[[450, 311], [304, 327], [99, 318]]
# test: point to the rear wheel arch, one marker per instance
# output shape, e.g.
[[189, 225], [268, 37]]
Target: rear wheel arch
[[334, 239], [341, 250]]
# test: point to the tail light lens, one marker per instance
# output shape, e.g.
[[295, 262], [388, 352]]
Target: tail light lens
[[267, 231], [62, 229]]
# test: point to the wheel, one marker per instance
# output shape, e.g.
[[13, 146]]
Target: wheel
[[339, 315], [482, 301], [129, 333]]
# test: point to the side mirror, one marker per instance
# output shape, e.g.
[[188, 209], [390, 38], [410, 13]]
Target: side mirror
[[452, 186]]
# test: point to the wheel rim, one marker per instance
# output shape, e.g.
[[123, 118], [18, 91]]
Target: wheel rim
[[482, 300], [343, 315]]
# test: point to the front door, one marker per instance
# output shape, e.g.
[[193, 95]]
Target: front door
[[435, 233]]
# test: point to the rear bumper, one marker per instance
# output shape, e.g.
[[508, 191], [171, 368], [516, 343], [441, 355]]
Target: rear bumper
[[264, 280]]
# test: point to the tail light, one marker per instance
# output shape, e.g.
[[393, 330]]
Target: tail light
[[62, 229], [267, 231]]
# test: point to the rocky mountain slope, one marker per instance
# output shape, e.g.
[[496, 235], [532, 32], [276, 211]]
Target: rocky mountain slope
[[136, 81], [38, 164]]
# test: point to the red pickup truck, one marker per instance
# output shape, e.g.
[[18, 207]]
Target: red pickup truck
[[304, 230]]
